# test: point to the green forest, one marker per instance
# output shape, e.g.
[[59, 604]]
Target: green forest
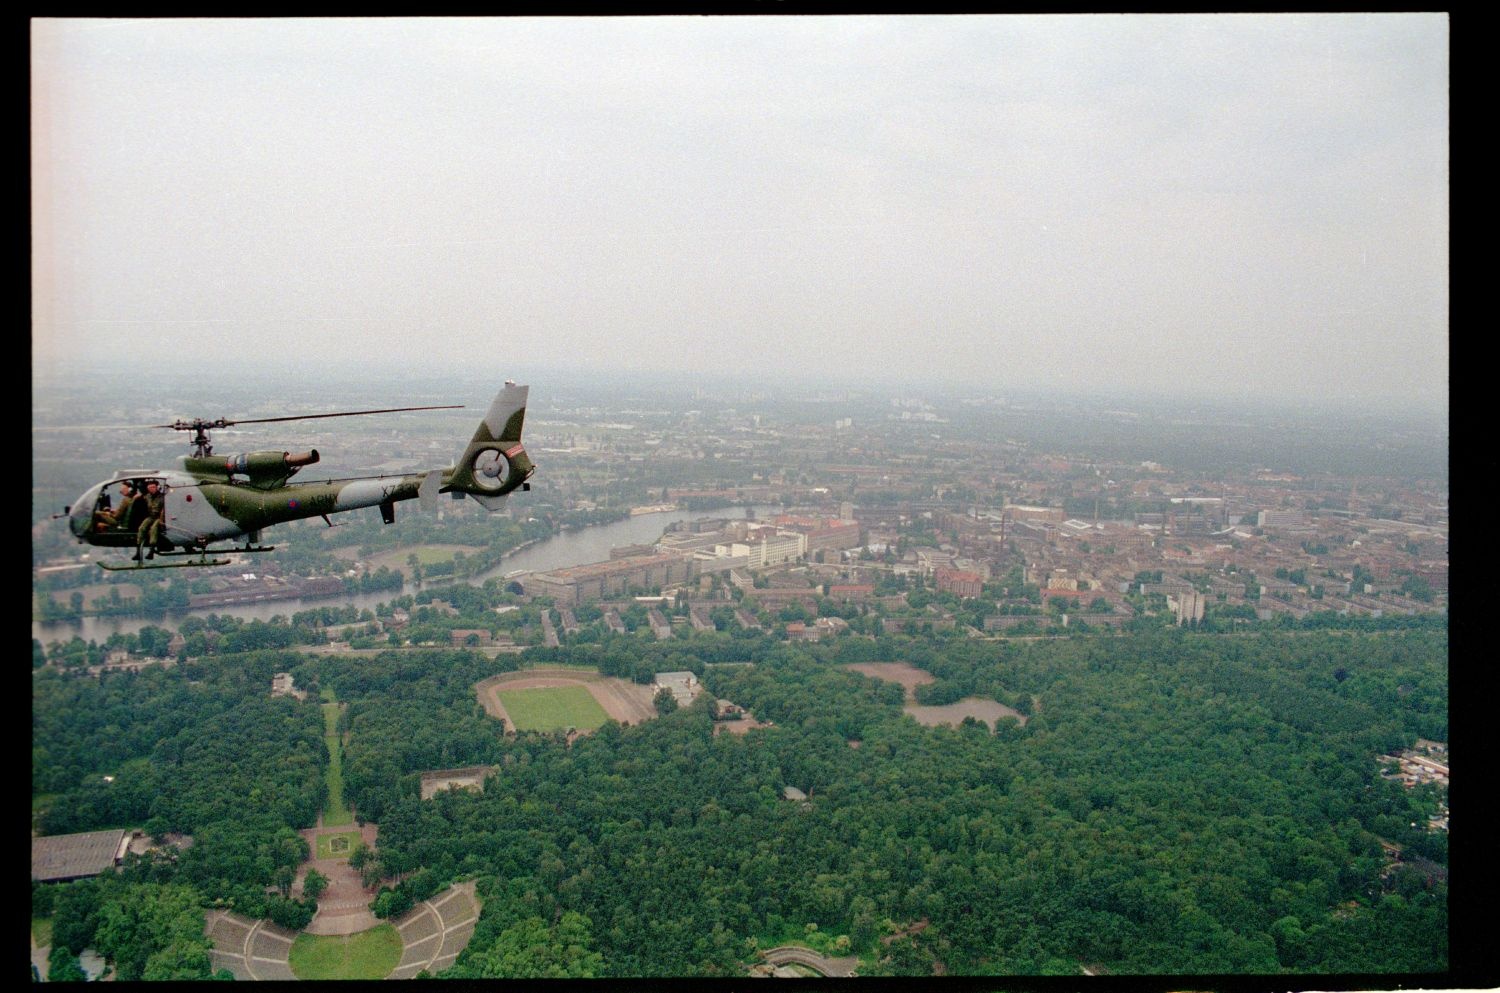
[[1176, 802]]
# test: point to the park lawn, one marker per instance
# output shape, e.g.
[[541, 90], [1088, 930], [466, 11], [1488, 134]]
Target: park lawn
[[552, 708], [335, 813], [370, 954], [328, 850], [427, 555], [330, 716]]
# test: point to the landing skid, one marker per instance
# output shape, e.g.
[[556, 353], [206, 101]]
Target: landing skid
[[202, 559], [131, 566]]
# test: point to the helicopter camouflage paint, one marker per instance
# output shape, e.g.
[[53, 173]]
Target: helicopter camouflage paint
[[210, 498]]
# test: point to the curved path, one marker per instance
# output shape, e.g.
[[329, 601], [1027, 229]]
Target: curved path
[[432, 934], [787, 954]]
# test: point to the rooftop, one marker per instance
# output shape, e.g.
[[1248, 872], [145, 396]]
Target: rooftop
[[73, 856]]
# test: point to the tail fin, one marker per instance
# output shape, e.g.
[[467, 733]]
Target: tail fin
[[495, 463]]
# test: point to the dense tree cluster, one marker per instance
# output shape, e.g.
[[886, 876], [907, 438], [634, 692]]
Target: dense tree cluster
[[1174, 802], [509, 945], [147, 931], [202, 750], [408, 712], [1179, 803], [183, 746], [153, 598]]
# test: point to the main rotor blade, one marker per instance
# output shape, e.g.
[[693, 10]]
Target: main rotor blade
[[224, 422], [346, 413], [93, 427]]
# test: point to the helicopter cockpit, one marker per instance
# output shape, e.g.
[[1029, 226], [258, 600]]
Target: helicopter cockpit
[[111, 510]]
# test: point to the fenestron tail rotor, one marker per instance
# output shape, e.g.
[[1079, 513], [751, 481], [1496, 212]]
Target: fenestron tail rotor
[[203, 445]]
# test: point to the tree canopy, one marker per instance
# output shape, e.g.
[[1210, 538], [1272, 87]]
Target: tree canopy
[[1175, 802]]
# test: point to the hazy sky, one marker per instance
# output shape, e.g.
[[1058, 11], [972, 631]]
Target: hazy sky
[[1232, 204]]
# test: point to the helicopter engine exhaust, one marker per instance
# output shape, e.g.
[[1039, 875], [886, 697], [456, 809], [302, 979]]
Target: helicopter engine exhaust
[[268, 467]]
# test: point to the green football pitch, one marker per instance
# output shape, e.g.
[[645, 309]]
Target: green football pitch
[[552, 708]]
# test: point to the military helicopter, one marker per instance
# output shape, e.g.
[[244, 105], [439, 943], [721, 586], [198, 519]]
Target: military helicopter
[[209, 498]]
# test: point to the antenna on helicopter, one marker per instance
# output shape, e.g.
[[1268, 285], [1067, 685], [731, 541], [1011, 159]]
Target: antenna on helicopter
[[203, 445]]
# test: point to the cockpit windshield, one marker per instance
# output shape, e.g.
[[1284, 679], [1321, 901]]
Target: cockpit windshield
[[115, 507]]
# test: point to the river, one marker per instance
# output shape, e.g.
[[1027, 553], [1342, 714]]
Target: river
[[591, 544]]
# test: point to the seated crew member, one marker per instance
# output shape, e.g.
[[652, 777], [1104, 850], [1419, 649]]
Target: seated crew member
[[149, 532], [119, 517]]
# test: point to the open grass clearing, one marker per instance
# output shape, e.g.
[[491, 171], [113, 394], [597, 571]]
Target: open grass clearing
[[434, 554], [553, 708], [335, 812], [427, 555], [370, 954], [980, 708], [337, 846]]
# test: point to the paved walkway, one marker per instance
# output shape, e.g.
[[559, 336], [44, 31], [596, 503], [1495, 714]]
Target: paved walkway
[[344, 907]]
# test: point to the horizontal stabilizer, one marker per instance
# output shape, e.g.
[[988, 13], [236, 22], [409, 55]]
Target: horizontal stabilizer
[[428, 492], [491, 503]]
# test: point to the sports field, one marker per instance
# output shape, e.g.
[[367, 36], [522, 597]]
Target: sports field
[[552, 708]]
